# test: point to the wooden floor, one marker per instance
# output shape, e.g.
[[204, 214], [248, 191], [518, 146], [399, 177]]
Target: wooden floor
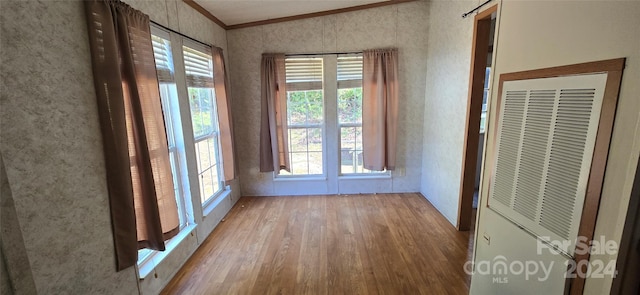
[[355, 244]]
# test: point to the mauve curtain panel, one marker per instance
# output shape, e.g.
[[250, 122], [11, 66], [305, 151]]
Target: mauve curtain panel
[[274, 148], [141, 197], [223, 101], [379, 108]]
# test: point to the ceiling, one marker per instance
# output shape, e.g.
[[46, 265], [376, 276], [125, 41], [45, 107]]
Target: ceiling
[[234, 12]]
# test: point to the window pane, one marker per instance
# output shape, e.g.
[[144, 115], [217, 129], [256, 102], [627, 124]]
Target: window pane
[[347, 150], [166, 92], [358, 138], [296, 108], [202, 155], [305, 116], [201, 103], [213, 149], [305, 149], [315, 139], [206, 185], [299, 163], [315, 105], [298, 140], [350, 105], [315, 162]]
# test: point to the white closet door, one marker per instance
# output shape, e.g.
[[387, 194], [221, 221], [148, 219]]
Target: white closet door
[[546, 137]]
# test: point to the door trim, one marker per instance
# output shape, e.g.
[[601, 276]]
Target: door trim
[[481, 36]]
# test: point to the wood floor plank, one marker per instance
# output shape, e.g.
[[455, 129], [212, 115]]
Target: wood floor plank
[[347, 244]]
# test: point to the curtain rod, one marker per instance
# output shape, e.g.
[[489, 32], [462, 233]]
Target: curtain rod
[[464, 15], [324, 53], [181, 34]]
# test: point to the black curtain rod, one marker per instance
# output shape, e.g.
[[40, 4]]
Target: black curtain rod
[[181, 34], [464, 15], [324, 53]]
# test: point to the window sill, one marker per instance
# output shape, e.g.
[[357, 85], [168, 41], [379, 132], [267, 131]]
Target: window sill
[[300, 178], [213, 203], [147, 267], [364, 176]]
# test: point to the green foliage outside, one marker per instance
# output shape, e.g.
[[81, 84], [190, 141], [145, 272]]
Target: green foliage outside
[[306, 108], [350, 105], [201, 103]]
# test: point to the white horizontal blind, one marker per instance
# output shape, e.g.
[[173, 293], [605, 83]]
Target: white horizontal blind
[[546, 137], [162, 55], [349, 71], [198, 65], [303, 73]]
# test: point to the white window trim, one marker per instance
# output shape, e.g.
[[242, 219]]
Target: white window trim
[[189, 185], [147, 267]]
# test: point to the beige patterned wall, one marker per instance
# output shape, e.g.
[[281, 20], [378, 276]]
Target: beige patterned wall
[[449, 58], [403, 26], [51, 144]]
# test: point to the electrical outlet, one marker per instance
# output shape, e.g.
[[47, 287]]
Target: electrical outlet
[[400, 172]]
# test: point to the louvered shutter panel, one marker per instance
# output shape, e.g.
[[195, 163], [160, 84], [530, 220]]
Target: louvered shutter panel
[[162, 54], [349, 71], [198, 65], [303, 73], [546, 137]]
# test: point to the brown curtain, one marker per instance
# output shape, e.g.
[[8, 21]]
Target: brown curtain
[[379, 108], [223, 101], [274, 148], [141, 196]]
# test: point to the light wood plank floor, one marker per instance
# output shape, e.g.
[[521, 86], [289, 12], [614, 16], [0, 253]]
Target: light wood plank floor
[[355, 244]]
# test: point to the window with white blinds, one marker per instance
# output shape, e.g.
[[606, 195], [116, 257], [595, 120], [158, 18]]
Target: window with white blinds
[[305, 115], [163, 56], [169, 99], [303, 73], [198, 64], [546, 138], [350, 71], [305, 78], [349, 79]]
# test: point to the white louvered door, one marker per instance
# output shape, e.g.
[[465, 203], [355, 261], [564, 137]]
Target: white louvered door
[[546, 137]]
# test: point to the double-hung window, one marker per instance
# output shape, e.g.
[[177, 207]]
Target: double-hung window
[[200, 94], [305, 115], [169, 98], [199, 75], [308, 137], [349, 82]]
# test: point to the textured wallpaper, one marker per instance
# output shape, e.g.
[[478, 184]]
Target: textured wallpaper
[[447, 84], [51, 143], [403, 26]]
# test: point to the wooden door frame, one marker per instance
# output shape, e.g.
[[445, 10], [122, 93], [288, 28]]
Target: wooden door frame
[[626, 280], [481, 37]]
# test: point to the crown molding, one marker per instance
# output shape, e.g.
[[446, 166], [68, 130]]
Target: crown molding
[[210, 16]]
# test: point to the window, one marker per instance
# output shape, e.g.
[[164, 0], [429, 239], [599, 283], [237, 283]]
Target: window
[[169, 98], [307, 133], [199, 75], [305, 115], [350, 114]]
